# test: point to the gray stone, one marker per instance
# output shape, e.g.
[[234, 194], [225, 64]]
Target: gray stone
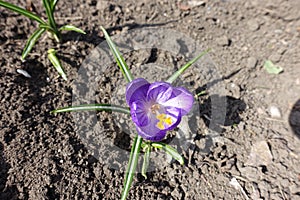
[[253, 25], [251, 63], [223, 41]]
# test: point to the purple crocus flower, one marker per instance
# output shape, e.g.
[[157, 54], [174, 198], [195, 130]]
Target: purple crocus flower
[[157, 107]]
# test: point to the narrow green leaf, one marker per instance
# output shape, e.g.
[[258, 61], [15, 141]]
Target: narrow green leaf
[[31, 41], [50, 16], [53, 4], [89, 107], [71, 28], [56, 63], [200, 94], [133, 160], [47, 27], [119, 58], [169, 150], [22, 11], [183, 68], [271, 68], [145, 166]]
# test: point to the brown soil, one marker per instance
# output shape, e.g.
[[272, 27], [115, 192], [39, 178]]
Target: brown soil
[[43, 157]]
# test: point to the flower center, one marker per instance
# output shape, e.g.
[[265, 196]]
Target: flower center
[[163, 118], [155, 108]]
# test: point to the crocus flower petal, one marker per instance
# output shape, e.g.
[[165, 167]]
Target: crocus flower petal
[[138, 113], [183, 100], [159, 92], [174, 115], [136, 90], [151, 132], [159, 124]]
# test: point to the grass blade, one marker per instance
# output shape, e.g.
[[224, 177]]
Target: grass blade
[[133, 160], [31, 41], [119, 58], [47, 27], [183, 68], [169, 150], [50, 16], [204, 92], [22, 11], [56, 63], [71, 28], [53, 4], [90, 107], [145, 166]]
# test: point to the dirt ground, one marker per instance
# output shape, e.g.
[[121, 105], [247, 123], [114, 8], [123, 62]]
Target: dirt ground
[[254, 154]]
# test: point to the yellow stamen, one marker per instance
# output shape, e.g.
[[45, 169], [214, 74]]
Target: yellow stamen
[[160, 125], [168, 121], [161, 116], [163, 119]]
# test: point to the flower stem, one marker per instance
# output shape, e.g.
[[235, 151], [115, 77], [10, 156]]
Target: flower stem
[[133, 160]]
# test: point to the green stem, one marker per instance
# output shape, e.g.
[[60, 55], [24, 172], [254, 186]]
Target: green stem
[[133, 160], [51, 19], [91, 107]]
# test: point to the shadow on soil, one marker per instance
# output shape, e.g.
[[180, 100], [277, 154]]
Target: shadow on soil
[[294, 118], [234, 107], [93, 37], [10, 192]]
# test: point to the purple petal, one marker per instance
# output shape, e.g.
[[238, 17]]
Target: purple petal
[[139, 113], [183, 100], [175, 115], [151, 133], [136, 90], [159, 92]]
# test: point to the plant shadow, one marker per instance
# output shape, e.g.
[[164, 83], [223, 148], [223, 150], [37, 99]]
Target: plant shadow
[[233, 108], [93, 36], [294, 118]]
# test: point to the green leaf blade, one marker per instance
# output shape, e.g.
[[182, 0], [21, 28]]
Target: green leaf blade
[[71, 28], [31, 42], [119, 58], [47, 27], [133, 160], [146, 162], [186, 66], [271, 68], [93, 107], [169, 150], [56, 63], [22, 11], [53, 4], [49, 13]]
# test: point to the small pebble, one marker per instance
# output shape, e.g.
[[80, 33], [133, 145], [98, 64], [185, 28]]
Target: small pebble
[[275, 57], [253, 25], [24, 73], [235, 90], [223, 41], [260, 111], [297, 81], [251, 63], [241, 126], [274, 112], [102, 5]]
